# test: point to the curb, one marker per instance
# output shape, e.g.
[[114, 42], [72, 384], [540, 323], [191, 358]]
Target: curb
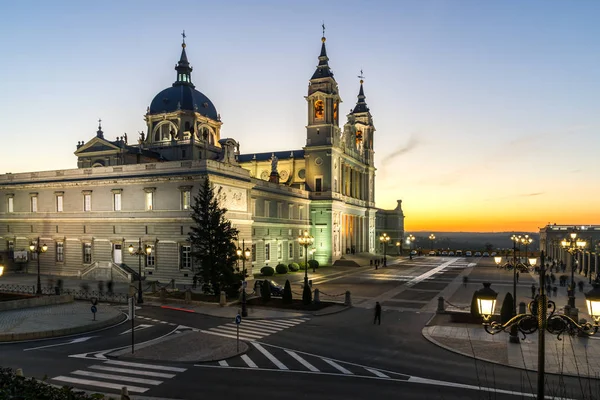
[[332, 312], [16, 337]]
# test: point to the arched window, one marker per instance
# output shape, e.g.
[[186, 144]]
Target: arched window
[[163, 132]]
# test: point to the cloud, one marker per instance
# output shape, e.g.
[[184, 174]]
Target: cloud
[[410, 145], [515, 196]]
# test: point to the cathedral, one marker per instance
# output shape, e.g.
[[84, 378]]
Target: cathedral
[[139, 192]]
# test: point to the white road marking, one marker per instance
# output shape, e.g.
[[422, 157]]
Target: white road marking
[[429, 273], [302, 361], [113, 377], [78, 340], [147, 366], [90, 382], [223, 363], [225, 330], [132, 371], [337, 366], [248, 361], [270, 356], [375, 372], [137, 328], [230, 336]]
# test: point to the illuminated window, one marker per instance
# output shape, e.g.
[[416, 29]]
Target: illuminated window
[[34, 203], [59, 203], [291, 250], [185, 259], [60, 251], [319, 109], [10, 205], [117, 201], [279, 251], [87, 200], [186, 197], [149, 198], [87, 253], [267, 252]]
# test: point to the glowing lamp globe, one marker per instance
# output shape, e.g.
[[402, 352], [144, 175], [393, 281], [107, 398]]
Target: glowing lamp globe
[[486, 301]]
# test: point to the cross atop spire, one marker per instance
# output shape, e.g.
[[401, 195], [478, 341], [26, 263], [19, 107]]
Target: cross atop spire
[[183, 36], [361, 76], [183, 68], [323, 26], [99, 133]]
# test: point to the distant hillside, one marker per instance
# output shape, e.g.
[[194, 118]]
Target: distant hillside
[[471, 240]]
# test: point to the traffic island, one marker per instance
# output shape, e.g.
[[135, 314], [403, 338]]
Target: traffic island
[[295, 305]]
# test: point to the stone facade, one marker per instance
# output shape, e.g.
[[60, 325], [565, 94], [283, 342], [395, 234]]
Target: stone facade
[[122, 194]]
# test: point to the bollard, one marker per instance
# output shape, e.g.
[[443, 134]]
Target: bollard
[[257, 290], [163, 294], [188, 296], [316, 298], [125, 393], [441, 305], [348, 300], [19, 372], [222, 299], [310, 282], [522, 308]]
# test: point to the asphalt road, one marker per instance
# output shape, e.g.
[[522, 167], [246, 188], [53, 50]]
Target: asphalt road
[[338, 356]]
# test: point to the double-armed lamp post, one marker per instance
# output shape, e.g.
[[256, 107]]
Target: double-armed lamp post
[[542, 318], [526, 240], [432, 239], [145, 252], [573, 246], [384, 239], [243, 255], [306, 240], [410, 239], [35, 248]]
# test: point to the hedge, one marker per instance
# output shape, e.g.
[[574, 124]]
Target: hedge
[[281, 269], [293, 267], [267, 271]]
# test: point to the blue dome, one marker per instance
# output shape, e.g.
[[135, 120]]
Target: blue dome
[[183, 97]]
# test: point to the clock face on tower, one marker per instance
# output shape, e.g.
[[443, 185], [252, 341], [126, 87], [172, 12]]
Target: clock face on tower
[[319, 109]]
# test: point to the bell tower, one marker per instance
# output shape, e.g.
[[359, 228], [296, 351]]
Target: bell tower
[[323, 102]]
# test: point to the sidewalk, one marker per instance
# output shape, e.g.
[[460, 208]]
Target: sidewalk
[[578, 356]]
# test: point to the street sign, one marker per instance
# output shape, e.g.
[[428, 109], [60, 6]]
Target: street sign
[[238, 319], [94, 309]]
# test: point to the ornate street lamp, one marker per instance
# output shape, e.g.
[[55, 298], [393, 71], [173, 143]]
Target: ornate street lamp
[[432, 238], [572, 247], [306, 240], [539, 319], [409, 240], [244, 255], [498, 260], [398, 244], [526, 240], [37, 249], [384, 239], [140, 253]]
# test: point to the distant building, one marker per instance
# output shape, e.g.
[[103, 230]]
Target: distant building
[[140, 189], [552, 235]]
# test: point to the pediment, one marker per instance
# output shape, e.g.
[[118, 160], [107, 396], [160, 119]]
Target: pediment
[[97, 145]]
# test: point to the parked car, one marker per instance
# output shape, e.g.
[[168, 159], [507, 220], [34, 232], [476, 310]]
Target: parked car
[[276, 289], [494, 254], [450, 253], [459, 253], [413, 253], [432, 253], [486, 254], [444, 253], [468, 254], [478, 254]]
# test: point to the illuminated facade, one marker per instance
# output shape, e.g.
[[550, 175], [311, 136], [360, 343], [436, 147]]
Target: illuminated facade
[[121, 192]]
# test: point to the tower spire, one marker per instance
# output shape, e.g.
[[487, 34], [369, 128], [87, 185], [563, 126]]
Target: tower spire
[[361, 104], [183, 68], [323, 70], [99, 133]]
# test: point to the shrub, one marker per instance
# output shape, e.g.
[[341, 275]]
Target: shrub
[[313, 264], [267, 271], [474, 307], [508, 308], [302, 266], [265, 290], [306, 295], [287, 293], [293, 267], [281, 269]]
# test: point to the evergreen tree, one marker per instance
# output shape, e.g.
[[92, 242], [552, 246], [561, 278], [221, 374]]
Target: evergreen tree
[[212, 240], [508, 308], [287, 293], [265, 291]]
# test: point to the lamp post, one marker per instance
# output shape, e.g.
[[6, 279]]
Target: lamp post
[[539, 320], [37, 249], [384, 239], [244, 255], [514, 334], [305, 240], [432, 238], [573, 246], [410, 239], [140, 253], [398, 247], [526, 240]]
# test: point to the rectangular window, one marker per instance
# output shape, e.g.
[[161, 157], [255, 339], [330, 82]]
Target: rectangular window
[[117, 201], [87, 253], [291, 250], [279, 251], [253, 207], [318, 184], [186, 199], [253, 253], [60, 251], [11, 249], [11, 204], [267, 205], [301, 212], [34, 204], [291, 211], [301, 251], [87, 202], [279, 210], [185, 261], [59, 203], [267, 252], [151, 258], [149, 200]]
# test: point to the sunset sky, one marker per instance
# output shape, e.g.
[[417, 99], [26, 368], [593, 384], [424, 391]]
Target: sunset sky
[[487, 112]]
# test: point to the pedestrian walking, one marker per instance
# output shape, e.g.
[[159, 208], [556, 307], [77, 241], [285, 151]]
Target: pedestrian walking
[[377, 313], [532, 291]]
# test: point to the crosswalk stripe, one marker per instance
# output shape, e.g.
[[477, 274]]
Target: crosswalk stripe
[[233, 331], [298, 320], [260, 331], [378, 373], [283, 324], [95, 374], [248, 361], [230, 336], [132, 371], [223, 363], [108, 385], [147, 366], [337, 366], [260, 327], [270, 356], [302, 361], [272, 323]]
